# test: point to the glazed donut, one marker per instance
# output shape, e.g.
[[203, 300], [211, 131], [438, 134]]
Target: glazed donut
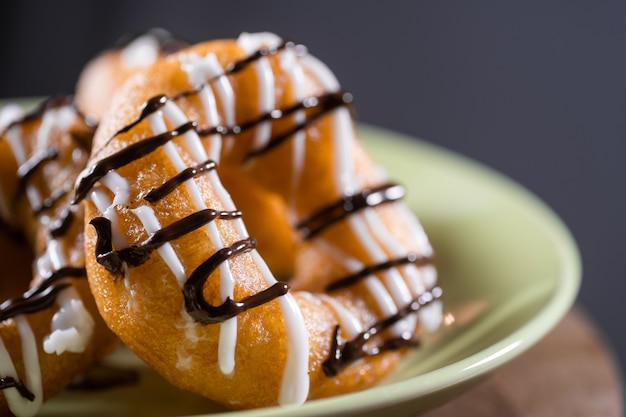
[[174, 271], [50, 332], [107, 71]]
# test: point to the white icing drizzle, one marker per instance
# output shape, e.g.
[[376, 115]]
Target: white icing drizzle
[[58, 118], [289, 64], [294, 388], [228, 329], [141, 52], [151, 224], [350, 324], [10, 113], [120, 187], [15, 140], [367, 225], [192, 65], [71, 326], [199, 69], [343, 132], [19, 405], [295, 384], [265, 77], [103, 203]]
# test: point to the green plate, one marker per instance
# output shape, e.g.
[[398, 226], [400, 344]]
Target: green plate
[[509, 268]]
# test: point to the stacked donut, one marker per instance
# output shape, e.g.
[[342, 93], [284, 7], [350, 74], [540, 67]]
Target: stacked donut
[[237, 237], [50, 330]]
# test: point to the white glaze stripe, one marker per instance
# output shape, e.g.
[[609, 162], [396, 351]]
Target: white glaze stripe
[[228, 329], [290, 64], [265, 78], [294, 388], [368, 227], [71, 326]]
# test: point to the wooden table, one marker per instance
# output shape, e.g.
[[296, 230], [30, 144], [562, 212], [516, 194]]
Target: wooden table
[[571, 372]]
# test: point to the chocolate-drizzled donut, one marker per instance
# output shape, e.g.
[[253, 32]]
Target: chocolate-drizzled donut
[[50, 330], [174, 270]]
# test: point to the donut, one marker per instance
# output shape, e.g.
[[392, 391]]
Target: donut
[[108, 70], [233, 135], [50, 329]]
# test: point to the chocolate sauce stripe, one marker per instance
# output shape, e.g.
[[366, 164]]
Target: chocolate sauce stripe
[[10, 382], [137, 254], [144, 147], [195, 304], [343, 353], [205, 313], [155, 103], [171, 184], [329, 102], [346, 281], [35, 302], [346, 205], [42, 295], [125, 156]]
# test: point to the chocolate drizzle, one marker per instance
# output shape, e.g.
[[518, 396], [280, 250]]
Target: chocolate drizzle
[[132, 152], [346, 281], [10, 382], [170, 185], [344, 353], [137, 254], [237, 66], [127, 155], [42, 295], [157, 102], [205, 313], [195, 304], [326, 216], [321, 104], [152, 105]]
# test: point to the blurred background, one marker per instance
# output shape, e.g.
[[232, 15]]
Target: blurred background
[[534, 89]]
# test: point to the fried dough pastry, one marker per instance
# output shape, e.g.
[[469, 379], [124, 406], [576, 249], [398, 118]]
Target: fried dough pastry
[[251, 134], [50, 329]]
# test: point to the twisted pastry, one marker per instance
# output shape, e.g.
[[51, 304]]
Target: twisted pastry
[[52, 332], [177, 276]]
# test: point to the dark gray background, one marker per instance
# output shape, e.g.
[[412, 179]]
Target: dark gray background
[[534, 89]]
